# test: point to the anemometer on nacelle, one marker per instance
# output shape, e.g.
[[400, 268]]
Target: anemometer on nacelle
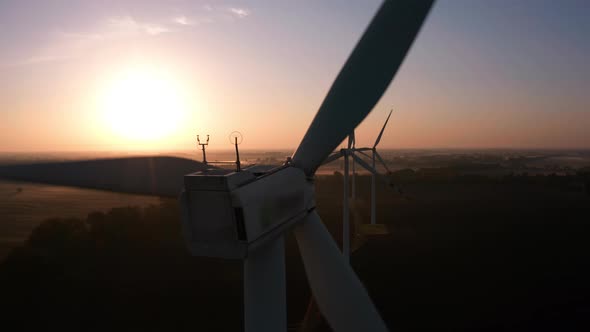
[[235, 138]]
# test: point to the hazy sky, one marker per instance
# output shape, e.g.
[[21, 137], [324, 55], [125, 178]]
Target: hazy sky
[[501, 73]]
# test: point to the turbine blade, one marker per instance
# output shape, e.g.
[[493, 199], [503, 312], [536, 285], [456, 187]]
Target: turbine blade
[[363, 153], [159, 176], [382, 162], [340, 295], [331, 158], [382, 130], [372, 170], [363, 79]]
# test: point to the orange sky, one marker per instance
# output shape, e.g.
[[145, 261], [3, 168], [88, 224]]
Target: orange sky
[[501, 74]]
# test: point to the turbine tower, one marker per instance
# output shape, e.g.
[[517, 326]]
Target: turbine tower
[[351, 148], [245, 216]]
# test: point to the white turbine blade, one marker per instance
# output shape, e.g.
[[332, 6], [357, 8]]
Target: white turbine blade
[[331, 158], [339, 293], [373, 171], [363, 153], [265, 297], [382, 130], [382, 162], [159, 176], [365, 165], [364, 149], [363, 79]]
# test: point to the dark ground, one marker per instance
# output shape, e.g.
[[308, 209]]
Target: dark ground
[[464, 253]]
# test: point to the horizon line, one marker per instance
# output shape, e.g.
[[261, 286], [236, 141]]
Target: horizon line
[[186, 150]]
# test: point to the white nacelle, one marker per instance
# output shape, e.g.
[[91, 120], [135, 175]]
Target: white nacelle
[[226, 214]]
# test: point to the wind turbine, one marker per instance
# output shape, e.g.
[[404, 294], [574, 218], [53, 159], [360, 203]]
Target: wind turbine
[[374, 155], [349, 156], [244, 216]]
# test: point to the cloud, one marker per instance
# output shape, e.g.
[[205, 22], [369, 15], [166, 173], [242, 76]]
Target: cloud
[[63, 46], [239, 12], [155, 29], [66, 45], [128, 25], [187, 22], [42, 58], [182, 20]]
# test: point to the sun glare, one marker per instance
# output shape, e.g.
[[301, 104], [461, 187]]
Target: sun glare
[[143, 104]]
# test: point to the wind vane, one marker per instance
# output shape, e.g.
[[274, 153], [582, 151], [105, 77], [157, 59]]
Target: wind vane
[[236, 138]]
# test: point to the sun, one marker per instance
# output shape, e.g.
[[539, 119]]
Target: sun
[[143, 103]]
